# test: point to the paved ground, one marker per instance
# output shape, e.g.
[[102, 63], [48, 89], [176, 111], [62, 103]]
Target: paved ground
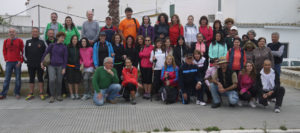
[[82, 116]]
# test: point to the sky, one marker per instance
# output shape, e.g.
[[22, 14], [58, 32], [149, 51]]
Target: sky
[[12, 6]]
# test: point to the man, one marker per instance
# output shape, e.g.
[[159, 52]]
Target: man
[[269, 86], [51, 37], [229, 39], [34, 50], [277, 51], [129, 25], [224, 82], [13, 56], [57, 27], [189, 81], [90, 28], [106, 83], [109, 29]]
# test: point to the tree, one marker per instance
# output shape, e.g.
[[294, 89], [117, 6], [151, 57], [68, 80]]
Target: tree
[[2, 21], [113, 11]]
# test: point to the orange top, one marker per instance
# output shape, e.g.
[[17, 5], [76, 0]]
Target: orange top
[[128, 27]]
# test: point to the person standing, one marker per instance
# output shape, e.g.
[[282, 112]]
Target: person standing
[[90, 28], [161, 28], [102, 49], [51, 37], [33, 52], [146, 29], [249, 47], [57, 67], [251, 34], [57, 27], [218, 47], [13, 56], [175, 30], [229, 22], [180, 51], [277, 51], [205, 30], [109, 29], [190, 31], [236, 56], [119, 54], [229, 38], [70, 30], [217, 27], [261, 53], [132, 51], [129, 25]]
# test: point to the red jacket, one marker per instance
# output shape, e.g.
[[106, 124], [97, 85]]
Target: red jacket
[[207, 32], [130, 76], [174, 33], [145, 54], [13, 52]]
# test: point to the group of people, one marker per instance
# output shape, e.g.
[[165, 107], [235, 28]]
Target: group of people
[[176, 62]]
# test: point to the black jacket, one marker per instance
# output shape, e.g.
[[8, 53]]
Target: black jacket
[[188, 76], [177, 54], [259, 86], [133, 54], [161, 29], [119, 52], [34, 50]]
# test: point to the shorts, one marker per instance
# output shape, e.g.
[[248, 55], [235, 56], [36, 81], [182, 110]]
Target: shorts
[[146, 75], [32, 70]]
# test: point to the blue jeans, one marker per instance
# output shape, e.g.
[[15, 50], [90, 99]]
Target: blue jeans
[[232, 95], [10, 67], [110, 94], [277, 68]]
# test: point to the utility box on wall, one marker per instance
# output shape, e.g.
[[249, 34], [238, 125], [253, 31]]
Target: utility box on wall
[[172, 9]]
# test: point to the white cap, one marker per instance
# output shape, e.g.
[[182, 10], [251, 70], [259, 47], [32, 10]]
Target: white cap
[[233, 28]]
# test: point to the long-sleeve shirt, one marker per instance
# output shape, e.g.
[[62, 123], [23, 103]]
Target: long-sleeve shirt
[[86, 57], [160, 59], [13, 50], [260, 55], [145, 54], [90, 30], [147, 31], [190, 33], [245, 82], [161, 28], [69, 34], [217, 50], [172, 75], [209, 73], [34, 50], [59, 54], [102, 79], [174, 32], [207, 32], [130, 75]]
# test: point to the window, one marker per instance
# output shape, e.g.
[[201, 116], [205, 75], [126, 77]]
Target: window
[[286, 49]]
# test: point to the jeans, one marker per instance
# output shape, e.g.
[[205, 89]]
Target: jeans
[[10, 66], [277, 68], [87, 82], [232, 95], [55, 80], [110, 94]]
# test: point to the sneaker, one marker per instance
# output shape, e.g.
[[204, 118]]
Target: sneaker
[[18, 97], [252, 103], [59, 98], [42, 97], [145, 95], [72, 96], [215, 105], [51, 100], [2, 97], [85, 97], [29, 96], [77, 96], [232, 105], [198, 102], [132, 101], [202, 103], [273, 100], [240, 103], [277, 110]]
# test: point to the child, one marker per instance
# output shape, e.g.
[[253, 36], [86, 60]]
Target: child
[[208, 76], [200, 62]]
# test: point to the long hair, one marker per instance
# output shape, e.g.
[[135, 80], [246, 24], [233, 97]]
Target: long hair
[[163, 48], [165, 16], [114, 39], [86, 40], [137, 40], [72, 24], [253, 71], [71, 44], [214, 41], [197, 52], [173, 61], [132, 45], [219, 22], [181, 37], [144, 22], [178, 21], [203, 18]]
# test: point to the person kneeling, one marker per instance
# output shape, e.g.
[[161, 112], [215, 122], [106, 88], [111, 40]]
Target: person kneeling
[[130, 77], [269, 86], [105, 83], [224, 82]]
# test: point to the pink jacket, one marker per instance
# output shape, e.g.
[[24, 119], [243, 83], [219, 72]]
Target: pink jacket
[[207, 32], [209, 73], [145, 54], [86, 57]]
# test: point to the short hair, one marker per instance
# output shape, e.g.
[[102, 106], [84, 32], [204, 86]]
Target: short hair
[[237, 38], [13, 29], [251, 31], [106, 59], [261, 39], [275, 33], [50, 30], [190, 16], [59, 34], [35, 28], [128, 9], [87, 42], [229, 20], [203, 18], [54, 13], [89, 11]]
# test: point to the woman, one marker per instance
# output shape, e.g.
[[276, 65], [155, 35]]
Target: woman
[[169, 48], [161, 29], [175, 30], [102, 49], [201, 64], [70, 30], [169, 75], [217, 27], [251, 34], [261, 53], [146, 29], [157, 58], [180, 51], [217, 48], [87, 67], [56, 69], [245, 39], [119, 54], [146, 67], [205, 30], [246, 81], [236, 56], [73, 67], [190, 31], [138, 45], [249, 47], [199, 45], [229, 22], [130, 81], [131, 51]]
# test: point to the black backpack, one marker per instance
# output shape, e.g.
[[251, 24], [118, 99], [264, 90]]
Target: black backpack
[[169, 94]]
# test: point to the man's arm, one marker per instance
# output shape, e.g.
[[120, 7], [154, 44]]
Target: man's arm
[[279, 52]]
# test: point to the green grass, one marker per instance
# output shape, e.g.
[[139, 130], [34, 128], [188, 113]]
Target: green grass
[[241, 128], [156, 130], [283, 127], [209, 129], [166, 129]]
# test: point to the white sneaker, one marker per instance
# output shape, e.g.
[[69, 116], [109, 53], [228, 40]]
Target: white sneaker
[[252, 103], [77, 96], [240, 103], [72, 96], [85, 97], [198, 102], [277, 110], [202, 103]]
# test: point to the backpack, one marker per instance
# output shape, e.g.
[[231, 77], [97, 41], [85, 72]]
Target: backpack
[[169, 94]]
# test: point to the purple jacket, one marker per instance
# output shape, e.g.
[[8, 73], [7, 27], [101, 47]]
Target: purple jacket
[[59, 54], [150, 31]]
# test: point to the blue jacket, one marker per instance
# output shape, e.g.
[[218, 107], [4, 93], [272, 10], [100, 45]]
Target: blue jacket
[[96, 52]]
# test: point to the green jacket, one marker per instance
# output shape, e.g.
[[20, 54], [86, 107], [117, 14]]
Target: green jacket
[[69, 34], [60, 28], [102, 79]]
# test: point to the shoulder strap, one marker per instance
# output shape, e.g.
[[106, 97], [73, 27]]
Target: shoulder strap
[[136, 28]]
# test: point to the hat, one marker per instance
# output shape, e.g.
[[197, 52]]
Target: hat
[[222, 60], [102, 33], [233, 28], [108, 17]]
